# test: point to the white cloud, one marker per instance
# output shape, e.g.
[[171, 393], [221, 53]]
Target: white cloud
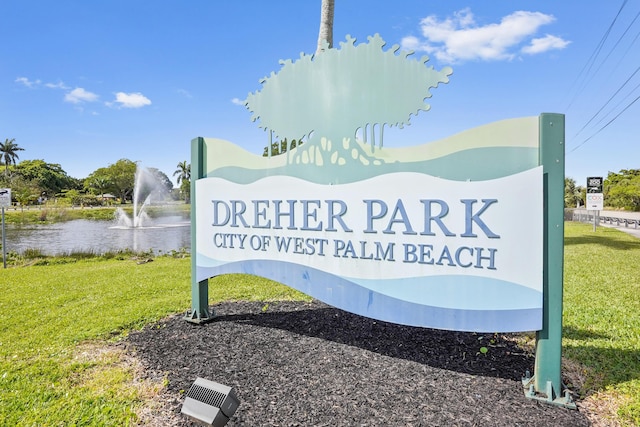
[[459, 38], [185, 93], [410, 43], [26, 82], [130, 100], [35, 83], [79, 95], [544, 44], [238, 101], [58, 85]]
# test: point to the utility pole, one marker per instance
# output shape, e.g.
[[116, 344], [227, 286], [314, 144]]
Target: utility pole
[[326, 25]]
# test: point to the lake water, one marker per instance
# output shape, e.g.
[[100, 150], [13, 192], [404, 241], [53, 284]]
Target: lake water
[[162, 234]]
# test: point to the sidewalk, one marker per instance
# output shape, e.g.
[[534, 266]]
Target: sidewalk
[[628, 230], [631, 229]]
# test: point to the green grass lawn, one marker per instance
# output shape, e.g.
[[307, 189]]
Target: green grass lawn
[[602, 312], [50, 314], [47, 311]]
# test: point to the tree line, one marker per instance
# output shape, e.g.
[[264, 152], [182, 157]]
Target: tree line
[[36, 181]]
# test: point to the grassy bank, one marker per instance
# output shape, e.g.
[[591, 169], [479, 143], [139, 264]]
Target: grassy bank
[[50, 214], [52, 313]]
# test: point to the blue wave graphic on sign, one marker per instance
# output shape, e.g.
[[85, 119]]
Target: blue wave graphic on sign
[[350, 296]]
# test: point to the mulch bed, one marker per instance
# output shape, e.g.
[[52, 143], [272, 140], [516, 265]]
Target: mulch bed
[[309, 364]]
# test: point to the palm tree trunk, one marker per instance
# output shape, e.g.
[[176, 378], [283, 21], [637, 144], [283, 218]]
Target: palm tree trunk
[[326, 25]]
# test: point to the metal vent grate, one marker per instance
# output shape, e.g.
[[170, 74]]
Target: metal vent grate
[[209, 403], [206, 395]]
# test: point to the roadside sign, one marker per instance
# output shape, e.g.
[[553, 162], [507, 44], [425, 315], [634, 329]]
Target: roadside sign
[[5, 202], [594, 184], [595, 197], [595, 201], [5, 197]]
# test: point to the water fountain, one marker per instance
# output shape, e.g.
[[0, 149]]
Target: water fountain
[[138, 232], [146, 189]]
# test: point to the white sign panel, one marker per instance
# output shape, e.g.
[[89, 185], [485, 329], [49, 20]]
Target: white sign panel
[[5, 197], [595, 201], [409, 239]]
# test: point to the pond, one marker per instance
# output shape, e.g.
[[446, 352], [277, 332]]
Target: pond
[[163, 234]]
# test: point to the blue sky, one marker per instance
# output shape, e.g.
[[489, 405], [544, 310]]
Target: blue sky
[[85, 83]]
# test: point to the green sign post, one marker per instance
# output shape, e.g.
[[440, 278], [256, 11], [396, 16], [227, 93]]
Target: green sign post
[[199, 289], [546, 383]]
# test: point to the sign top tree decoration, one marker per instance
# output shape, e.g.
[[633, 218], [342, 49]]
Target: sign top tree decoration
[[326, 98]]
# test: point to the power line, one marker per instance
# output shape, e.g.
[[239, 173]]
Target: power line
[[586, 79], [618, 104], [609, 100], [594, 55], [615, 46], [624, 55], [608, 123]]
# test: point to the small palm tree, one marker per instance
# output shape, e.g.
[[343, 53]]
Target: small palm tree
[[8, 153], [184, 176], [183, 172]]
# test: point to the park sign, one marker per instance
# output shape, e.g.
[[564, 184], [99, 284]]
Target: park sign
[[464, 233], [387, 241]]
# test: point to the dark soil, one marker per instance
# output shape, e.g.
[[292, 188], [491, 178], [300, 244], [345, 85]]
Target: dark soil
[[308, 364]]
